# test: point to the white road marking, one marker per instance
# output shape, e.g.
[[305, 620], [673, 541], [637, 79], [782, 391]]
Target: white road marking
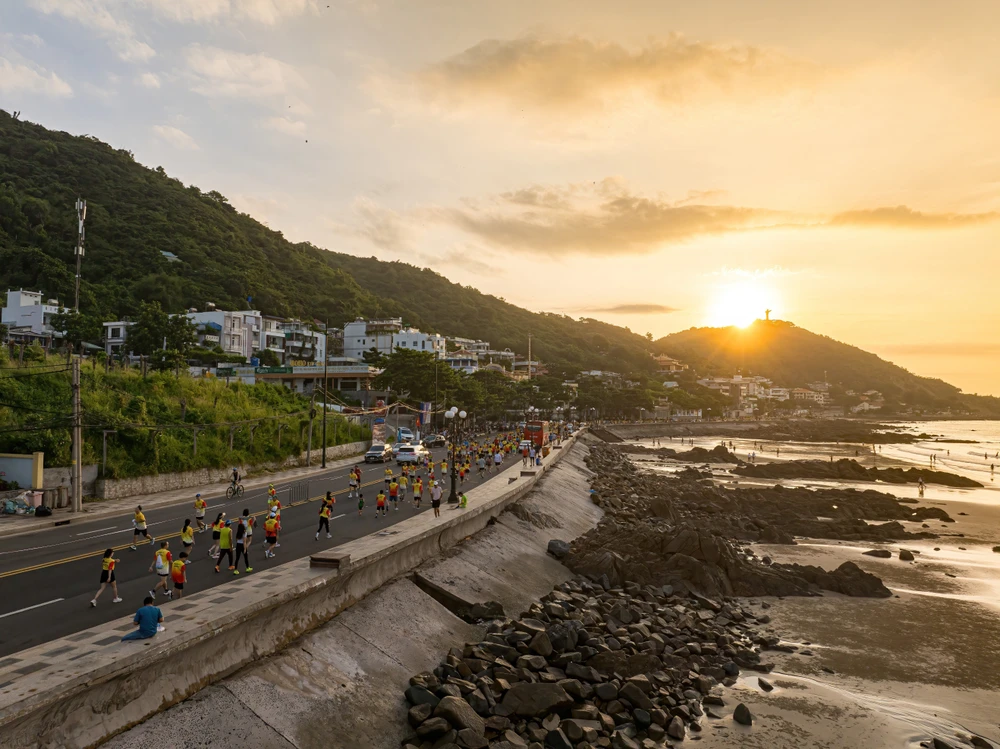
[[29, 608], [339, 516], [98, 530]]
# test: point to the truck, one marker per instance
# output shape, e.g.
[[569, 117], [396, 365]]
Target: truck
[[537, 432]]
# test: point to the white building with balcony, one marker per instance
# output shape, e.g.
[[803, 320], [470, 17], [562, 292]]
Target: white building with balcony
[[28, 316], [462, 361], [385, 336], [115, 335], [235, 332], [273, 336], [303, 345]]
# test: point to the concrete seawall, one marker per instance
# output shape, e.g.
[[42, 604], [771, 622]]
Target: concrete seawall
[[78, 691]]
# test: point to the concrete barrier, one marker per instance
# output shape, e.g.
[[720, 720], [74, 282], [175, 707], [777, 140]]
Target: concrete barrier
[[83, 689]]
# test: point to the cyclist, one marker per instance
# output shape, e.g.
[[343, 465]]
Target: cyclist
[[235, 478]]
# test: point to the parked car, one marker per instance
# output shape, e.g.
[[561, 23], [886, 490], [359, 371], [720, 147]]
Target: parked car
[[434, 440], [378, 454], [404, 435], [411, 454]]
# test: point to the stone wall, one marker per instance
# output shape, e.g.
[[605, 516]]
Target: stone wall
[[60, 476], [139, 485]]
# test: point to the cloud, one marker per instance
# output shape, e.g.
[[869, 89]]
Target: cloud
[[175, 137], [286, 126], [902, 217], [573, 72], [15, 77], [267, 12], [381, 226], [149, 80], [602, 218], [104, 17], [219, 72], [633, 309]]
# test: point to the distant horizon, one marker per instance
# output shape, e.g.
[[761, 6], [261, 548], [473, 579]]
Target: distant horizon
[[671, 165]]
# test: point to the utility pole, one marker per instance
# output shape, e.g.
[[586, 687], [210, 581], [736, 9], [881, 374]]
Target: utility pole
[[326, 360], [529, 356], [81, 216], [77, 451]]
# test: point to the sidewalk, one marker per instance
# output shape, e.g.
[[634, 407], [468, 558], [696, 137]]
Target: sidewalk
[[17, 525]]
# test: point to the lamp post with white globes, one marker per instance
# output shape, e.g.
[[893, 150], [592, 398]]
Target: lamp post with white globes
[[456, 419]]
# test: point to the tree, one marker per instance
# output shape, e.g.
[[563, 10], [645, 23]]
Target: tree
[[77, 327], [147, 333], [413, 372], [268, 358], [374, 358], [181, 334]]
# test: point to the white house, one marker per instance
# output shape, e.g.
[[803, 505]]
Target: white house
[[386, 336], [463, 361], [29, 316], [303, 345], [237, 332], [115, 334]]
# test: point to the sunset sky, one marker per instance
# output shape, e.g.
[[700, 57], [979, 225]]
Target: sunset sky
[[655, 164]]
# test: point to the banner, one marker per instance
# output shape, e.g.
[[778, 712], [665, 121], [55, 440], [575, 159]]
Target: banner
[[378, 432]]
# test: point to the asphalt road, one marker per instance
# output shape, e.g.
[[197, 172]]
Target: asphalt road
[[48, 578]]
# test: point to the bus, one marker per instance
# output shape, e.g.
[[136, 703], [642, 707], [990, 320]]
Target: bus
[[537, 432]]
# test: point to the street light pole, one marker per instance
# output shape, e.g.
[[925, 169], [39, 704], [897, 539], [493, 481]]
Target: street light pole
[[455, 436], [326, 361], [81, 216]]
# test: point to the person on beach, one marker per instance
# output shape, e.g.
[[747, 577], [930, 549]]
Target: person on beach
[[200, 505], [178, 573], [216, 532], [148, 618], [108, 577], [139, 528], [187, 536], [161, 563]]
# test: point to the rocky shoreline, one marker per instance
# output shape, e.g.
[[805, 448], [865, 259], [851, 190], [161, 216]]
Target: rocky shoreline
[[850, 470], [640, 649], [790, 430]]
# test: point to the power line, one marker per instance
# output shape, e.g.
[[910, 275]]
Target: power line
[[15, 374], [33, 410]]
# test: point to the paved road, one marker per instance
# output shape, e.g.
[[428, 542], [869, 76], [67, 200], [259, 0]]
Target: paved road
[[48, 578]]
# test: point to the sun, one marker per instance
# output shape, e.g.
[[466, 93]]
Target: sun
[[740, 303]]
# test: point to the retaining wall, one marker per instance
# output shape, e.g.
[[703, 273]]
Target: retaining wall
[[120, 488], [52, 695]]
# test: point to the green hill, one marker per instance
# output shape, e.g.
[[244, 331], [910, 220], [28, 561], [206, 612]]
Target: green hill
[[135, 213], [793, 357]]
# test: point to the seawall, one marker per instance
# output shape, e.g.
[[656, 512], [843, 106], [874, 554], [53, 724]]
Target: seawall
[[78, 691]]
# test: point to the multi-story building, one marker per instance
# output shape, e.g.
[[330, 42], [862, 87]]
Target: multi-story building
[[115, 335], [668, 365], [805, 394], [462, 360], [235, 332], [273, 336], [385, 336], [303, 344], [28, 316], [737, 385]]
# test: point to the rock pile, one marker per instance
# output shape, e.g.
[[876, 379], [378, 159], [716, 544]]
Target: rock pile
[[659, 530], [717, 454], [589, 666], [851, 470]]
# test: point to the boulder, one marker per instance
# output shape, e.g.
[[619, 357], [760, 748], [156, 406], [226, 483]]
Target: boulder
[[558, 549], [418, 714], [905, 555], [433, 728], [417, 695], [530, 700], [880, 553], [742, 715], [460, 714], [676, 729]]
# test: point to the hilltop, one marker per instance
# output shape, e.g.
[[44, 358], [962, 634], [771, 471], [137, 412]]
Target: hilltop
[[792, 357], [135, 213]]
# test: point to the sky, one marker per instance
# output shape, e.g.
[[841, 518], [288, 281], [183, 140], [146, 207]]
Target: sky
[[655, 164]]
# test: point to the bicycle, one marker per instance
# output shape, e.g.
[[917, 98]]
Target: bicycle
[[234, 490]]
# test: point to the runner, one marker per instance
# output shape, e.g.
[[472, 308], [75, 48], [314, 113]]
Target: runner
[[524, 456], [418, 491], [436, 499], [353, 483], [270, 535], [139, 528], [225, 546], [324, 520], [394, 495], [380, 504], [481, 463], [241, 543], [161, 562], [108, 577], [388, 477], [178, 573], [187, 536], [361, 502], [200, 505], [216, 531], [497, 460], [404, 484], [274, 507]]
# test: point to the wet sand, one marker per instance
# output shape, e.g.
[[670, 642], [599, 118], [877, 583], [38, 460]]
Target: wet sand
[[924, 664]]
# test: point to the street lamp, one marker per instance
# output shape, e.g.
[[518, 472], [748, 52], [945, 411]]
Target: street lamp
[[454, 429]]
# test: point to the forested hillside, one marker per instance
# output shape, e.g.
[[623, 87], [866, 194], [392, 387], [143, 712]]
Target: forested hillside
[[792, 356], [135, 213]]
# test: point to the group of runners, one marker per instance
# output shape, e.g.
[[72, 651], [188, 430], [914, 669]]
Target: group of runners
[[232, 538]]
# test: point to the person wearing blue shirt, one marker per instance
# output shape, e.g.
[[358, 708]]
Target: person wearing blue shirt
[[148, 617]]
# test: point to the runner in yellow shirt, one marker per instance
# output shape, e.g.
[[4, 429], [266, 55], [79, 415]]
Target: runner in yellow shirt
[[139, 528], [200, 505]]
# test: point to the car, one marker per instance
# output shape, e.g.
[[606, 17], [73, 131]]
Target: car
[[378, 454], [404, 435], [411, 454], [397, 446], [525, 445], [434, 440]]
